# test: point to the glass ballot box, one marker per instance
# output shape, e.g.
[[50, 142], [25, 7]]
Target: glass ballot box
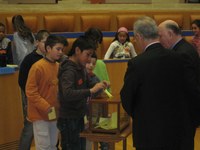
[[107, 115]]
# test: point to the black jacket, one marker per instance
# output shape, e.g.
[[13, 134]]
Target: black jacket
[[153, 94], [25, 66], [192, 76], [73, 90]]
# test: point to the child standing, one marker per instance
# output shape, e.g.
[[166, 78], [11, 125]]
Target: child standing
[[100, 69], [29, 60], [94, 79], [90, 67], [95, 34], [196, 38], [23, 39], [121, 47], [74, 90], [5, 47], [41, 91]]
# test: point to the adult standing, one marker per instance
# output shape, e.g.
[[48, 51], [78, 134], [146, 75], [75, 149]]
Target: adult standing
[[170, 37], [153, 94]]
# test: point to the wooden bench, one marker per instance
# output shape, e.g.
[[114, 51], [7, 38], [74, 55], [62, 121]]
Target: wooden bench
[[106, 21], [30, 20], [100, 21], [178, 18], [59, 23], [127, 20]]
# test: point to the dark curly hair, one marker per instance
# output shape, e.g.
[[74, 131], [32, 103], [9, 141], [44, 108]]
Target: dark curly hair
[[20, 26]]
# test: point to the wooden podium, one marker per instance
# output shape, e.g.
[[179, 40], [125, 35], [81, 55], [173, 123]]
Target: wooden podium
[[10, 112]]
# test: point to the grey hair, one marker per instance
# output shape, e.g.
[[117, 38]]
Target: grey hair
[[146, 27]]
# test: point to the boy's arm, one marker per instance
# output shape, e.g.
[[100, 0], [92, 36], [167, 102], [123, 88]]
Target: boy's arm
[[92, 81], [32, 90], [110, 50]]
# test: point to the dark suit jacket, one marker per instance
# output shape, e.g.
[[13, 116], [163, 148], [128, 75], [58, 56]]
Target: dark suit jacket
[[192, 76], [153, 95]]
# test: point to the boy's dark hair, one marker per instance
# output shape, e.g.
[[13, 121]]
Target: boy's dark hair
[[65, 40], [94, 55], [2, 25], [20, 26], [52, 40], [116, 37], [84, 43], [197, 22], [95, 34], [41, 34]]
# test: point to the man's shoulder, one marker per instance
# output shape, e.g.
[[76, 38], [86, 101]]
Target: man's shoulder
[[184, 45], [186, 49]]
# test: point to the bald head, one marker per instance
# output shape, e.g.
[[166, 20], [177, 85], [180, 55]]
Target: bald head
[[169, 33], [170, 25], [167, 23]]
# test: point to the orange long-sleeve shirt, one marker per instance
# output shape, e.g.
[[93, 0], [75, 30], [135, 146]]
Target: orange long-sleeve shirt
[[42, 89]]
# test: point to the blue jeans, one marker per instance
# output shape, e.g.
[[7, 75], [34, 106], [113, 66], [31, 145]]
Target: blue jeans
[[70, 130], [27, 132]]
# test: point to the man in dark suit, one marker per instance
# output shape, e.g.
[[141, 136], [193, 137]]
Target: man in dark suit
[[153, 94], [170, 37]]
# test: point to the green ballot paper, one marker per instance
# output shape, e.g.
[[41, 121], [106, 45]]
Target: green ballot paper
[[108, 93]]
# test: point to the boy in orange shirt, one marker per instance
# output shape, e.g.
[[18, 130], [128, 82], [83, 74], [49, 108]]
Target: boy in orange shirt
[[41, 90]]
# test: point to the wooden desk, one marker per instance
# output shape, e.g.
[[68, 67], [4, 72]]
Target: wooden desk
[[116, 70], [10, 111], [108, 138]]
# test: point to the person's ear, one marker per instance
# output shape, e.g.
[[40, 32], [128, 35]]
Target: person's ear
[[77, 50], [170, 33], [138, 36], [36, 43], [48, 48]]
